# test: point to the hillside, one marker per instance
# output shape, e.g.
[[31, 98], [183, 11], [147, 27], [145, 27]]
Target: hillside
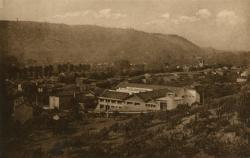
[[212, 131], [50, 43]]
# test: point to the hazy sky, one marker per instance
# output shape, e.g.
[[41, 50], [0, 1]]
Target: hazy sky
[[223, 24]]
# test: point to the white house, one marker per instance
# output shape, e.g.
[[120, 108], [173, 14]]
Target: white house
[[53, 102]]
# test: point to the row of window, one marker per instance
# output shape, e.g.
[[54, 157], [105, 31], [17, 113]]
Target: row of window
[[118, 102], [119, 107], [110, 101], [109, 107], [150, 105], [133, 103], [188, 96]]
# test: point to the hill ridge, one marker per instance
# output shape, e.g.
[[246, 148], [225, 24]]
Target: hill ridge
[[51, 43]]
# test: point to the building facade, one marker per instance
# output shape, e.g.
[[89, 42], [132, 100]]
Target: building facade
[[145, 98]]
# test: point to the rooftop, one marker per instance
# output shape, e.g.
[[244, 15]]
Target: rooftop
[[151, 95], [145, 96], [114, 95], [147, 86]]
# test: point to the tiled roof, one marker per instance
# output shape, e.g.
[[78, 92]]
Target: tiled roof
[[158, 92], [127, 84], [149, 86], [66, 93], [151, 95], [114, 95], [97, 91]]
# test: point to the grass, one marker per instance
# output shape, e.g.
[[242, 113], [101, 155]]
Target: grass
[[172, 134]]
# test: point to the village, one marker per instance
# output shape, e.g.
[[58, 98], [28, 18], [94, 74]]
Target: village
[[124, 79], [119, 87], [67, 109]]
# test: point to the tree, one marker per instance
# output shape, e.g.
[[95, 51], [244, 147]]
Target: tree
[[244, 106]]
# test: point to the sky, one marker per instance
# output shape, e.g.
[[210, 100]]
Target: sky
[[222, 24]]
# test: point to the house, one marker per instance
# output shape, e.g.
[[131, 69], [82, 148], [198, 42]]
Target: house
[[88, 100], [18, 101], [132, 97], [80, 81], [19, 87], [241, 80], [170, 101], [245, 74], [66, 99], [63, 97], [53, 102], [201, 63]]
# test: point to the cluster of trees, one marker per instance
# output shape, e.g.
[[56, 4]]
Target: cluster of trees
[[14, 70], [8, 66], [73, 68], [145, 135], [142, 138], [244, 107], [35, 71]]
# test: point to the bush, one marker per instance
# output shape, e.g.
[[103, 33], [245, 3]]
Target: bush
[[103, 133], [183, 108], [57, 149], [222, 123]]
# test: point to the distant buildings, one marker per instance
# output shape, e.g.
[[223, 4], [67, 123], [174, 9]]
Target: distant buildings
[[244, 76], [54, 102], [241, 80], [63, 99], [130, 97], [201, 63]]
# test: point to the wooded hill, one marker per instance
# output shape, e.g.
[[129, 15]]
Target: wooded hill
[[51, 43]]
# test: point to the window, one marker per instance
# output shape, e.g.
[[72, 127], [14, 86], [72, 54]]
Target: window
[[113, 101], [150, 105], [129, 103], [101, 106], [137, 104], [119, 102]]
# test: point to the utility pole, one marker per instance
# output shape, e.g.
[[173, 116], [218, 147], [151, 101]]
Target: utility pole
[[36, 93], [203, 96], [107, 111]]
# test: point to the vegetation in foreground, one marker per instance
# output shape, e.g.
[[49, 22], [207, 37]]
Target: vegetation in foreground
[[220, 129]]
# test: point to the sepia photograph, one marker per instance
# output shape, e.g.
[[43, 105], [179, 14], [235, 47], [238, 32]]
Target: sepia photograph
[[124, 78]]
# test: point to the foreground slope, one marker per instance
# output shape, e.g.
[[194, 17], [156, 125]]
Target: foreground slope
[[203, 132]]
